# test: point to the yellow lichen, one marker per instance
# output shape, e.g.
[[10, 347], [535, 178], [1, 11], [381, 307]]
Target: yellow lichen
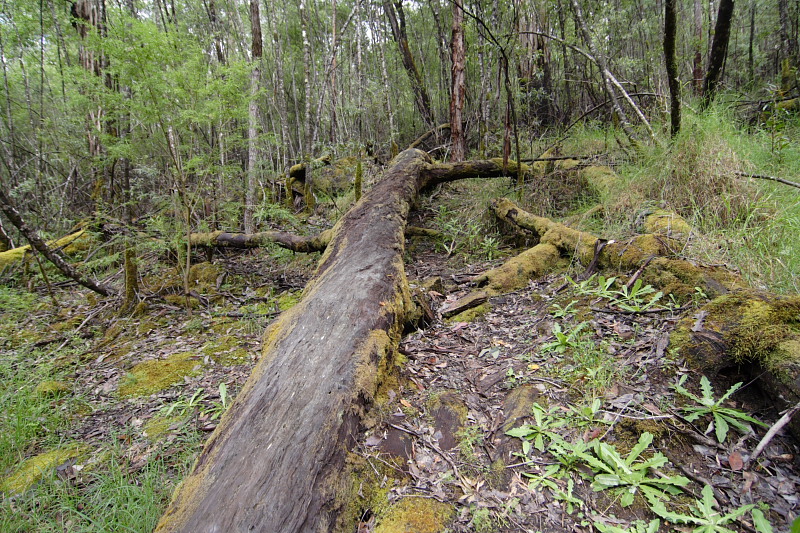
[[668, 223], [204, 273], [416, 515], [287, 300], [158, 374], [31, 471]]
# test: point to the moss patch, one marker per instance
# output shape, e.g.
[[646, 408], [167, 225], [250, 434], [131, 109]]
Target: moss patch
[[470, 314], [158, 374], [416, 515], [51, 388], [226, 351], [31, 471], [160, 425], [287, 300]]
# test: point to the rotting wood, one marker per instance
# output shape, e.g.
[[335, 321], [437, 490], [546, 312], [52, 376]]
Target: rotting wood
[[296, 243], [277, 460]]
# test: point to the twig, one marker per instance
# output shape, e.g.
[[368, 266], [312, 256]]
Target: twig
[[765, 177], [779, 425]]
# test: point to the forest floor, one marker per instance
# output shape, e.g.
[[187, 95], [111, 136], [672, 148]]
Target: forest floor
[[586, 391]]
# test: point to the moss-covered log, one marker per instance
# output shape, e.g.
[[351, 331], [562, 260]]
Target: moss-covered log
[[277, 460], [67, 244], [297, 243], [298, 172], [747, 328]]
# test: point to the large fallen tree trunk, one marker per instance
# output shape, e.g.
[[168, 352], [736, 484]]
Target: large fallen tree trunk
[[277, 460]]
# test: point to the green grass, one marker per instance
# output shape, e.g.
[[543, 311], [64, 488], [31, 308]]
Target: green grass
[[109, 493]]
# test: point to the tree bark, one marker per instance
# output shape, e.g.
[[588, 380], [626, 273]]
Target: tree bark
[[254, 119], [281, 447], [458, 84], [10, 211], [398, 23], [670, 31], [719, 51]]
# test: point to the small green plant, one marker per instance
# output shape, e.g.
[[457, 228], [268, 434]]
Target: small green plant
[[564, 312], [704, 516], [490, 247], [219, 407], [586, 415], [185, 406], [630, 474], [722, 417], [633, 298], [544, 422], [565, 339], [636, 527], [594, 285]]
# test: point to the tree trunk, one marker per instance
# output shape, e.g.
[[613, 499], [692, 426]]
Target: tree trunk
[[458, 85], [290, 241], [398, 23], [670, 30], [697, 67], [719, 50], [254, 119], [281, 447]]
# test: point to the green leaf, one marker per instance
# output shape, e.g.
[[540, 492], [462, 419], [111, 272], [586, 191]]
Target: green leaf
[[520, 432], [644, 441], [760, 521], [795, 526], [604, 481], [721, 427]]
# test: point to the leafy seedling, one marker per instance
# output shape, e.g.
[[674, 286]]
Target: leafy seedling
[[630, 474], [633, 299], [722, 417], [564, 339], [566, 311], [703, 515], [544, 422]]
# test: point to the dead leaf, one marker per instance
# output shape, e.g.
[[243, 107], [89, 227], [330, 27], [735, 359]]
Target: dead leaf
[[735, 461]]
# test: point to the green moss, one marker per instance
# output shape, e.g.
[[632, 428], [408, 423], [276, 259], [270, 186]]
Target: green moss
[[31, 471], [287, 300], [226, 350], [416, 515], [749, 326], [517, 271], [51, 388], [204, 273], [470, 314], [160, 425], [668, 223], [158, 374]]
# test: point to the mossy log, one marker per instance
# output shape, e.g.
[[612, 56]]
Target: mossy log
[[67, 244], [276, 462], [298, 172], [297, 243], [747, 328]]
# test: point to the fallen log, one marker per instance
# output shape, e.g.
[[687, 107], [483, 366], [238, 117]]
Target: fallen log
[[276, 462], [296, 243]]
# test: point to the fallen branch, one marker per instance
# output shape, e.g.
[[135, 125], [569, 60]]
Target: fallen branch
[[290, 241], [771, 178], [779, 425]]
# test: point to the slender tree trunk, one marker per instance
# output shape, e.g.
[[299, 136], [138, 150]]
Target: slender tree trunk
[[719, 51], [697, 70], [750, 61], [307, 133], [604, 73], [334, 38], [398, 23], [670, 31], [254, 119], [458, 87], [10, 211]]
